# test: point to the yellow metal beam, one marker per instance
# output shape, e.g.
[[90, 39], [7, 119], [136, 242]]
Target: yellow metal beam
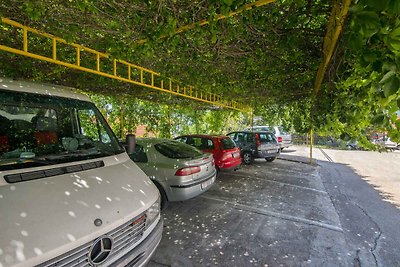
[[335, 25], [218, 17], [153, 79], [336, 21]]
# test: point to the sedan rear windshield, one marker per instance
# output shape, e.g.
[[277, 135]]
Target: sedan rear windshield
[[177, 150], [227, 143]]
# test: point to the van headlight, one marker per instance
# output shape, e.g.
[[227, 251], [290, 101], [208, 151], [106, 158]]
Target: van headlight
[[153, 212]]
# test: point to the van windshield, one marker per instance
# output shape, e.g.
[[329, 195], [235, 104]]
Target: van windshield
[[38, 130]]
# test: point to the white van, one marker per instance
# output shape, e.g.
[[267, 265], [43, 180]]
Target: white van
[[69, 194]]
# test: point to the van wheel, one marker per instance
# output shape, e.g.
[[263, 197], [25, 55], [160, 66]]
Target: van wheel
[[247, 158], [270, 159], [164, 199]]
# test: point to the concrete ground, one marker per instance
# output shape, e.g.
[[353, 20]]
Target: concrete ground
[[380, 169], [283, 213]]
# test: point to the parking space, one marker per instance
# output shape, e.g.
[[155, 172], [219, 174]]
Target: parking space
[[266, 214]]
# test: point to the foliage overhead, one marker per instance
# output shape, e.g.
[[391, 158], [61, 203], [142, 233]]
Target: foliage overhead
[[266, 57]]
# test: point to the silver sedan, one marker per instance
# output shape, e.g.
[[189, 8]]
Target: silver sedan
[[180, 171]]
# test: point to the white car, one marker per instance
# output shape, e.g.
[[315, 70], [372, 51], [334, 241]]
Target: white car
[[284, 138], [69, 193], [387, 143]]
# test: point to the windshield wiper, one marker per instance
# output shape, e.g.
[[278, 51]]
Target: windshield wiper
[[18, 163], [80, 154]]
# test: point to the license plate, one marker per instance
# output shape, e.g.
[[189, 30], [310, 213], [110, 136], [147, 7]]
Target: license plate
[[207, 183]]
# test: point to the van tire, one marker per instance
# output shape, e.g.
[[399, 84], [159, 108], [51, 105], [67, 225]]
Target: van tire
[[164, 199], [270, 159], [247, 158]]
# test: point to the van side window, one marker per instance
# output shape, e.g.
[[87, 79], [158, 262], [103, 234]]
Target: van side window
[[90, 126], [139, 155]]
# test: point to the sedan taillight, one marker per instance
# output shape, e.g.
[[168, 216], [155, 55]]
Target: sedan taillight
[[258, 143], [280, 139], [187, 171]]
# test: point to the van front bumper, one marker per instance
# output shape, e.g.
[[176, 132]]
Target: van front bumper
[[140, 255]]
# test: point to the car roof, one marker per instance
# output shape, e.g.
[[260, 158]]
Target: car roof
[[249, 132], [153, 140], [203, 136], [264, 126], [41, 89]]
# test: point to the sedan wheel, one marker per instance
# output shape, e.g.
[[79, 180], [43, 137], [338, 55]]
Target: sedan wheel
[[247, 158], [270, 159]]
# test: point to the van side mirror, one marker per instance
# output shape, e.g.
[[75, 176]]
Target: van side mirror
[[130, 143]]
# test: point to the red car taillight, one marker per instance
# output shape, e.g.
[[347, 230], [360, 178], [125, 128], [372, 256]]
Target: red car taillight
[[280, 139], [187, 171], [258, 143]]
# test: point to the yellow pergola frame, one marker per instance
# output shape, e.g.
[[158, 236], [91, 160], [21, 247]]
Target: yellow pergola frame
[[335, 25], [147, 78]]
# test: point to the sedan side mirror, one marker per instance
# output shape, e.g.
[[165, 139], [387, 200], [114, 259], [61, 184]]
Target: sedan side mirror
[[130, 143]]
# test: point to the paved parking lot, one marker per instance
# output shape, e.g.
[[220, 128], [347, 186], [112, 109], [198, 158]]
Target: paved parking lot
[[266, 214]]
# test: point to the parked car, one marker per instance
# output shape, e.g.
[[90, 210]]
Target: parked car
[[180, 171], [387, 143], [226, 153], [284, 138], [69, 193], [258, 144]]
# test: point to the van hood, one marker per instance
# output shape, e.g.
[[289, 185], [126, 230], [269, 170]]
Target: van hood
[[43, 218]]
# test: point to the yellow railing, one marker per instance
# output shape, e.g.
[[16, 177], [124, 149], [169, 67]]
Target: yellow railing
[[120, 70]]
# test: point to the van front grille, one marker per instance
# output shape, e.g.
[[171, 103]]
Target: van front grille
[[124, 236]]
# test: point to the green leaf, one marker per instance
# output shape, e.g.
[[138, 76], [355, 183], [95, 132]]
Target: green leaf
[[391, 86], [227, 2], [370, 57], [393, 40], [387, 76], [397, 124], [369, 23], [378, 5], [394, 6], [378, 119], [356, 41]]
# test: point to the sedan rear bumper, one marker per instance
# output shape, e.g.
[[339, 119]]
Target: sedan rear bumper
[[267, 153], [230, 165], [187, 191]]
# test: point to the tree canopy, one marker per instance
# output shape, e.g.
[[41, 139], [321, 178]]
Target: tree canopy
[[266, 57]]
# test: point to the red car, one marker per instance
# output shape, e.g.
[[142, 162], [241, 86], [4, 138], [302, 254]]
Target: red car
[[226, 153]]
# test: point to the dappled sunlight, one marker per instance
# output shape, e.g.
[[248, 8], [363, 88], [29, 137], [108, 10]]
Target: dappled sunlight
[[71, 237], [83, 203]]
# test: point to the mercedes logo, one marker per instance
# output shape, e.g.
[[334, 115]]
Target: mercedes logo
[[100, 250]]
